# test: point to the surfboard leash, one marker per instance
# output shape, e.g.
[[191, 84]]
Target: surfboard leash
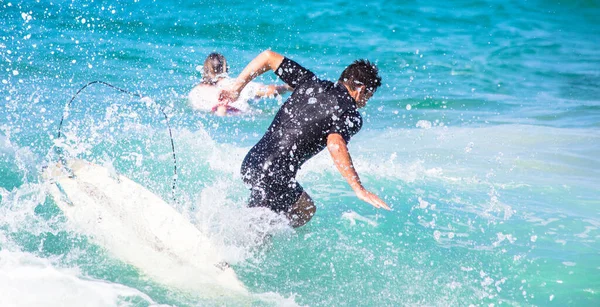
[[68, 105]]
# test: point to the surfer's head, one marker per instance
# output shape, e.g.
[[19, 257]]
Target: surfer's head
[[215, 67], [362, 79]]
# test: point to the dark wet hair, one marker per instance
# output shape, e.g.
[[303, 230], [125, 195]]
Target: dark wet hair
[[215, 65], [361, 72]]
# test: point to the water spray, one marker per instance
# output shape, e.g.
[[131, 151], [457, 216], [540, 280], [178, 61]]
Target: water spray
[[143, 98]]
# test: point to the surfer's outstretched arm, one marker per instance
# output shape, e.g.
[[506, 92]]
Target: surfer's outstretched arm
[[267, 60], [341, 157], [273, 90]]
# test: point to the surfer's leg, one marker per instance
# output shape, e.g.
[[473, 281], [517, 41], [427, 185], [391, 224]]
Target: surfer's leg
[[302, 211]]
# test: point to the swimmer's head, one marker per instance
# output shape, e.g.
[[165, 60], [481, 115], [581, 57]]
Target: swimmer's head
[[215, 67], [362, 79]]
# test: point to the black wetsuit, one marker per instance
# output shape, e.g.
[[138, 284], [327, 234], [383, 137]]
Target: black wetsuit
[[299, 131]]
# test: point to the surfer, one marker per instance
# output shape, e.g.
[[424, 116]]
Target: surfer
[[204, 96], [318, 114]]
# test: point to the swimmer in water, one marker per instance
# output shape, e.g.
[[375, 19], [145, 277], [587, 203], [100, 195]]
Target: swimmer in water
[[204, 96], [318, 114]]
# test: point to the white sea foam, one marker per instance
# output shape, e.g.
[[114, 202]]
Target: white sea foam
[[219, 203], [424, 124], [236, 230], [507, 149], [502, 237], [27, 280], [353, 217]]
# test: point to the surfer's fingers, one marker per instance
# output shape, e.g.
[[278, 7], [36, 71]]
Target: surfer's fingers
[[383, 206], [374, 201], [224, 97], [381, 203]]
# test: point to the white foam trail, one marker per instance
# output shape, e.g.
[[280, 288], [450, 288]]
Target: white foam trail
[[27, 280], [225, 158], [424, 124], [17, 210], [276, 299], [462, 153], [236, 230], [353, 217]]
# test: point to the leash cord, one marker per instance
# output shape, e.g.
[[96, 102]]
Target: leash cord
[[132, 94]]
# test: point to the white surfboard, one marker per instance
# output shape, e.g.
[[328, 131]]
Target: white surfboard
[[139, 228], [206, 98]]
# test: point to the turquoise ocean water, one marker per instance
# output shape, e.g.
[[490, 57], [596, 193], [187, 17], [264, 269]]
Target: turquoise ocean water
[[484, 139]]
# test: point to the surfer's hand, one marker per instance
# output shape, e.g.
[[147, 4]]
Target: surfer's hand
[[372, 199], [232, 92], [227, 96]]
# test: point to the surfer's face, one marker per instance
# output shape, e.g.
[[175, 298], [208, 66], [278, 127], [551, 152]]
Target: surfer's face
[[362, 96]]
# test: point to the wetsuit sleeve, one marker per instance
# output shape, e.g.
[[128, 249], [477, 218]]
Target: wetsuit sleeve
[[293, 73], [347, 125]]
